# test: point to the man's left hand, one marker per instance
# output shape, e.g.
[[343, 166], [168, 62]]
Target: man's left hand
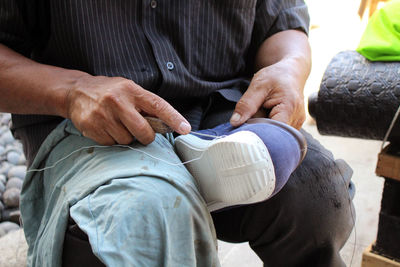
[[273, 87]]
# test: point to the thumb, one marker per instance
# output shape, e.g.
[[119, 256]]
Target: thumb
[[247, 106]]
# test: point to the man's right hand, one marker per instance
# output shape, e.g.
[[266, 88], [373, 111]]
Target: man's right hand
[[107, 110], [110, 110]]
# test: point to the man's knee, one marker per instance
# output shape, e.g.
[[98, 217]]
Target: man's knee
[[313, 214], [319, 194], [158, 198], [168, 196], [322, 179]]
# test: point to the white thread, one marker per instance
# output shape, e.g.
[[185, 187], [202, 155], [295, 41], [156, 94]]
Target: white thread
[[208, 135], [390, 127], [131, 148], [355, 237]]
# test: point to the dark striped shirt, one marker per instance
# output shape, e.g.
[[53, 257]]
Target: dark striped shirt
[[182, 50]]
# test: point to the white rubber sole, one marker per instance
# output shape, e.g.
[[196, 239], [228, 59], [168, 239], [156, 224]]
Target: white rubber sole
[[232, 170]]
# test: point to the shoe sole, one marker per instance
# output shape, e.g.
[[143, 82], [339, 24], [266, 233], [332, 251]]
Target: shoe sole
[[229, 171]]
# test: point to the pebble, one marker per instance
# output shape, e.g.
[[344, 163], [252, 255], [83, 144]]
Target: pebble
[[16, 146], [12, 215], [5, 167], [3, 129], [2, 187], [17, 171], [11, 197], [15, 216], [22, 159], [5, 118], [12, 174], [9, 226], [7, 138], [14, 182], [13, 157], [3, 178]]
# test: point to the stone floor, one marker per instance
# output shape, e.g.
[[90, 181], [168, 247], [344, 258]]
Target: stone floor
[[335, 27]]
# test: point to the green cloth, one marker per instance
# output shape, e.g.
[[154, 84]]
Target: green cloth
[[381, 39]]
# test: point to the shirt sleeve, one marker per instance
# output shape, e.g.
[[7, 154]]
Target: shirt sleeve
[[14, 31], [273, 16]]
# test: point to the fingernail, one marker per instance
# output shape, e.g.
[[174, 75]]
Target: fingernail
[[184, 127], [235, 117]]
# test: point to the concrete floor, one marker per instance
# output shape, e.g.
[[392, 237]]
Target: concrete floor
[[336, 27]]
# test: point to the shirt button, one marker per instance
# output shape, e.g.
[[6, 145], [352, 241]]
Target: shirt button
[[153, 4], [170, 66]]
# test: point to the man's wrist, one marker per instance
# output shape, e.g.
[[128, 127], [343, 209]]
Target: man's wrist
[[60, 88], [298, 66]]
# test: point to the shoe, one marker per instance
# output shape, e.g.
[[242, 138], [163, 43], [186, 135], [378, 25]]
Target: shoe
[[246, 165]]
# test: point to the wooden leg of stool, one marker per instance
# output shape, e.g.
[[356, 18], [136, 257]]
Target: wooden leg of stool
[[370, 259], [361, 9]]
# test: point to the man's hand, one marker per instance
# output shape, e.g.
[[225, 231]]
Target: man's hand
[[275, 88], [107, 110], [283, 63], [110, 110]]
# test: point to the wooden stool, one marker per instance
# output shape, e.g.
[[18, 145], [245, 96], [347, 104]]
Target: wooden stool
[[370, 259], [372, 5], [386, 250]]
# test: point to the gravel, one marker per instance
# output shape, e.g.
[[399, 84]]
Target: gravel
[[12, 174], [14, 182], [13, 246]]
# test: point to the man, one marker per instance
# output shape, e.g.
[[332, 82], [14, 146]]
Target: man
[[194, 64]]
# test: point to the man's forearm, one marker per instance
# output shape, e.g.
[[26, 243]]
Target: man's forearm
[[291, 46], [106, 109], [27, 87]]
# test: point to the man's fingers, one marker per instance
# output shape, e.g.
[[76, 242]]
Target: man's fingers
[[137, 126], [282, 117], [299, 121], [160, 108], [247, 106], [119, 133], [100, 137], [292, 118]]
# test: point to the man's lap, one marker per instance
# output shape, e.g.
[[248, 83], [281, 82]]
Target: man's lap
[[80, 176], [145, 221], [316, 188]]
